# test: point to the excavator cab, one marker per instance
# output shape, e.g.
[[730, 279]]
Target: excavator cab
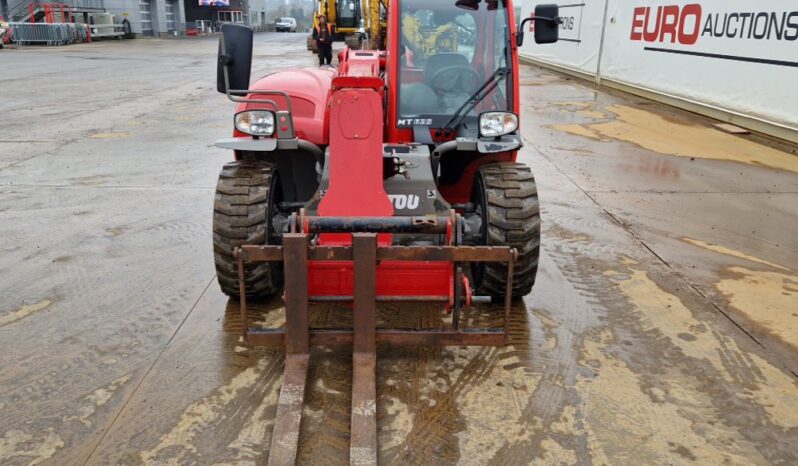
[[348, 14]]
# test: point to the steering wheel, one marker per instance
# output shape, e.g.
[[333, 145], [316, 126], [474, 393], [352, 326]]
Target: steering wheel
[[455, 78]]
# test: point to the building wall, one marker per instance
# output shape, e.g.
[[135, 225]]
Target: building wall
[[194, 12], [254, 13], [257, 14], [131, 10], [11, 6]]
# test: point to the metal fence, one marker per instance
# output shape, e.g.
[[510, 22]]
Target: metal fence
[[48, 34]]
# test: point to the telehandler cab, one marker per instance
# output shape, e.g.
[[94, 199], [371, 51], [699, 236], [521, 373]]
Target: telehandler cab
[[391, 179]]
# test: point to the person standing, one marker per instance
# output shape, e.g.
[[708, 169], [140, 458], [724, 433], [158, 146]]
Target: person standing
[[323, 35]]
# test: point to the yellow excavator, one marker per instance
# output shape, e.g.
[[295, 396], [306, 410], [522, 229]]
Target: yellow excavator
[[353, 21]]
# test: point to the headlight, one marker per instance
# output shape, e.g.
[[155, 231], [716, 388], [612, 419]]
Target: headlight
[[255, 122], [493, 124]]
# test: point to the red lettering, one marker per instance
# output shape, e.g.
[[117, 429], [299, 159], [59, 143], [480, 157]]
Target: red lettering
[[670, 20], [648, 34], [690, 38], [673, 23], [637, 23]]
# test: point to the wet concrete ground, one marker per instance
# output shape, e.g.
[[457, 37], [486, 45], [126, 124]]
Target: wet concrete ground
[[663, 328]]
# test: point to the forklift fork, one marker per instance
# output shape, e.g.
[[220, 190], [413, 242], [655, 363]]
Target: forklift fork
[[298, 336]]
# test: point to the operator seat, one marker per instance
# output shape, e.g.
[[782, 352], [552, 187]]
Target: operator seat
[[439, 61], [452, 99], [420, 98]]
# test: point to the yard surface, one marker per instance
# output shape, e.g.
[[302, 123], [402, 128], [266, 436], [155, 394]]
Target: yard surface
[[663, 327]]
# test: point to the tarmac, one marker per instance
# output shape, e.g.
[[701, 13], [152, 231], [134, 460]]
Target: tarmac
[[663, 327]]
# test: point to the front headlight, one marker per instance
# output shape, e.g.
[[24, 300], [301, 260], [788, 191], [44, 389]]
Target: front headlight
[[255, 122], [494, 124]]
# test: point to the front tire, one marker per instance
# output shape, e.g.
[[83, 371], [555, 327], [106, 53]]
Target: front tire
[[241, 213], [506, 195]]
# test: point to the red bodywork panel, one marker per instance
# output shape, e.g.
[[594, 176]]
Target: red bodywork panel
[[356, 187], [355, 160], [309, 90], [349, 111]]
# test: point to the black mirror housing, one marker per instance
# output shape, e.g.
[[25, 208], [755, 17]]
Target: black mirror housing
[[235, 56], [547, 24]]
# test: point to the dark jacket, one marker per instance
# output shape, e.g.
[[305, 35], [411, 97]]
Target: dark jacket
[[317, 34]]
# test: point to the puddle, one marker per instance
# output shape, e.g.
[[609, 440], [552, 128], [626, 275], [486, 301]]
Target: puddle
[[16, 445], [574, 150], [111, 135], [756, 380], [469, 406], [731, 252], [593, 114], [573, 104], [581, 130], [625, 425], [770, 299], [493, 405], [658, 134], [93, 180], [24, 311], [115, 231], [273, 318], [397, 424], [179, 445], [91, 403]]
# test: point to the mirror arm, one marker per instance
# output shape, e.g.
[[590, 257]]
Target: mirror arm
[[532, 18], [519, 33], [523, 22], [229, 92], [545, 18]]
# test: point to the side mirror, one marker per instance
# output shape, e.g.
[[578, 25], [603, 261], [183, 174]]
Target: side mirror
[[235, 59], [547, 25]]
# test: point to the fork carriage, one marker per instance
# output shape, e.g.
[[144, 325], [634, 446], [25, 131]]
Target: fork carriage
[[365, 258]]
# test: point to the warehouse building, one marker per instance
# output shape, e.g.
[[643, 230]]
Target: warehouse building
[[210, 14], [150, 18], [153, 18]]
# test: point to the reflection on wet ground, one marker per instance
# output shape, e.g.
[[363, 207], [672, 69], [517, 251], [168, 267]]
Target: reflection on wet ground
[[681, 138], [661, 330]]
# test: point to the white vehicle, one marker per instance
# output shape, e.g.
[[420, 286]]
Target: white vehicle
[[285, 25]]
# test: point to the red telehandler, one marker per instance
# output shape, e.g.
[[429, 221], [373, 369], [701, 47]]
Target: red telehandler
[[390, 179]]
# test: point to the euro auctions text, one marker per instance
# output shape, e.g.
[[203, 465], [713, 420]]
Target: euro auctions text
[[687, 24]]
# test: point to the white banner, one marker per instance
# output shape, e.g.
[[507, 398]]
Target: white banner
[[735, 55], [580, 36]]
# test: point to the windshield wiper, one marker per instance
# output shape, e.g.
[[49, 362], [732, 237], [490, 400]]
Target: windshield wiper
[[486, 88]]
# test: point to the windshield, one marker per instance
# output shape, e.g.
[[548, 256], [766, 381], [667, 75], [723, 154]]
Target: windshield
[[446, 53]]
